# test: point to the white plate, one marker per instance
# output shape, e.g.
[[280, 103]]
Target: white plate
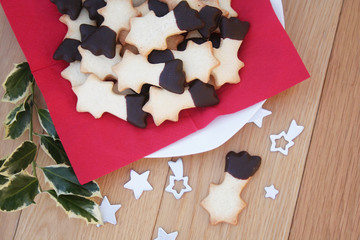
[[221, 129]]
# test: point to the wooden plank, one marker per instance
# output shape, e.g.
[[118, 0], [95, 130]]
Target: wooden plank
[[10, 53], [311, 26], [328, 205]]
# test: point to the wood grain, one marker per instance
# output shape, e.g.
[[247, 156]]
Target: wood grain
[[311, 26], [10, 53], [328, 206]]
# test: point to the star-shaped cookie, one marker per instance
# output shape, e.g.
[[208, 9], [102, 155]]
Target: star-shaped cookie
[[223, 202], [74, 75], [117, 14], [198, 60], [74, 25], [164, 105], [101, 66], [228, 70], [96, 97]]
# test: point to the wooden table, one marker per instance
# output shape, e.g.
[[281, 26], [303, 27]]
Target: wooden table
[[318, 181]]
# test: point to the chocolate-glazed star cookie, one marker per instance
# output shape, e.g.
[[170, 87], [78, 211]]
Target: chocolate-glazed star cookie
[[233, 32], [134, 71], [96, 97], [164, 105], [223, 202], [150, 32]]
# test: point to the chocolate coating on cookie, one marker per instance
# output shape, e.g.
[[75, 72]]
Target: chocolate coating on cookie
[[158, 56], [215, 39], [172, 78], [242, 165], [183, 44], [233, 28], [86, 30], [68, 51], [160, 9], [211, 17], [101, 42], [203, 94], [187, 18], [92, 6], [69, 7], [135, 115]]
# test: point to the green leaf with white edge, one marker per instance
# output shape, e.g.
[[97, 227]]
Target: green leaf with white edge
[[47, 123], [11, 117], [3, 180], [2, 160], [78, 207], [18, 125], [54, 148], [19, 192], [19, 159], [62, 178], [17, 83]]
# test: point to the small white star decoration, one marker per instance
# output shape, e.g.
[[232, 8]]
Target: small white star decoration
[[271, 192], [177, 169], [293, 132], [259, 116], [108, 211], [138, 183], [162, 235]]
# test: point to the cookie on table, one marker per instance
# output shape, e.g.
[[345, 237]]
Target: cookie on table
[[150, 32], [223, 202], [101, 66], [233, 32], [198, 60], [96, 97], [164, 105], [134, 71]]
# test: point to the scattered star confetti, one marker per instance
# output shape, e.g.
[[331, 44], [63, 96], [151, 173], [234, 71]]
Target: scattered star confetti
[[293, 132], [177, 169], [108, 211], [271, 192], [259, 116], [162, 235], [138, 183]]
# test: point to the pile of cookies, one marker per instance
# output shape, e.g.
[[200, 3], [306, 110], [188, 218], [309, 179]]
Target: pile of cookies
[[157, 57]]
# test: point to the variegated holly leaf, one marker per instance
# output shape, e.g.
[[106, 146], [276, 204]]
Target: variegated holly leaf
[[17, 83], [62, 178], [3, 180], [18, 122], [2, 160], [19, 192], [54, 149], [78, 207], [46, 122], [19, 159], [11, 117]]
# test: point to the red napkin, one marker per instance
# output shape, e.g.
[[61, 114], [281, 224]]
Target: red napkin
[[97, 147]]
